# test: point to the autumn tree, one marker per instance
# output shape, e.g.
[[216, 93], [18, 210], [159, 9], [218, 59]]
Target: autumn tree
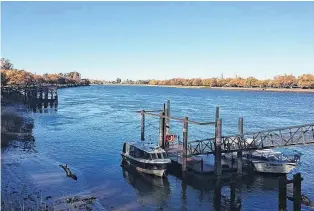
[[196, 82], [306, 81], [284, 81], [251, 82], [19, 77]]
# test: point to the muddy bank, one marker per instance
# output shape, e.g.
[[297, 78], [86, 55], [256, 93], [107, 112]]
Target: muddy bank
[[31, 180]]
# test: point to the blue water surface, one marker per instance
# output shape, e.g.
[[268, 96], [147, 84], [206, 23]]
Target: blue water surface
[[91, 123]]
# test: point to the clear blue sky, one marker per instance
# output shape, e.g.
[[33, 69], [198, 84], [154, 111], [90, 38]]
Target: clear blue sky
[[141, 40]]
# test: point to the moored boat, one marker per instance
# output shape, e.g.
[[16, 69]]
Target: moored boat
[[269, 161], [145, 157]]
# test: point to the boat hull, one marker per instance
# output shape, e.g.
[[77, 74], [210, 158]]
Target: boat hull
[[275, 168], [156, 169]]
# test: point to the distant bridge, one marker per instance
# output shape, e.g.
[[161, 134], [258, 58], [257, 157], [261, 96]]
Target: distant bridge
[[265, 139]]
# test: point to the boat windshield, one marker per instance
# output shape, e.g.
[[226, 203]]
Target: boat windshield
[[160, 155]]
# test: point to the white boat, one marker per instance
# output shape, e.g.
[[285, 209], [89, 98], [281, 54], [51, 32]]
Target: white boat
[[269, 161], [145, 157]]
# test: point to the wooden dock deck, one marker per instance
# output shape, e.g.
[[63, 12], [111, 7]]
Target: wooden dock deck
[[197, 163]]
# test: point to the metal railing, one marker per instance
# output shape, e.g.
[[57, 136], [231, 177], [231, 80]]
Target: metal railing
[[279, 137]]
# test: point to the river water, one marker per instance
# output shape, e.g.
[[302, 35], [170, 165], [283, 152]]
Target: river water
[[91, 124]]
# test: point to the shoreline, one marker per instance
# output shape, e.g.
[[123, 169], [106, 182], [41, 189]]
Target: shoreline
[[221, 88]]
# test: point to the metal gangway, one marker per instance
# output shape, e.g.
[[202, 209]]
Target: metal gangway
[[279, 137]]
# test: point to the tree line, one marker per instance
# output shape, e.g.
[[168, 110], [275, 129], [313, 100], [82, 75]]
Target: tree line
[[11, 76], [305, 81], [281, 81]]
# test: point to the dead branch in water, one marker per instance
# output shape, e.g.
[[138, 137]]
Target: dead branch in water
[[68, 171], [304, 200]]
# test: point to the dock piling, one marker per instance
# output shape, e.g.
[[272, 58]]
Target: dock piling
[[297, 191], [217, 112], [239, 153], [185, 143], [161, 130], [218, 128], [282, 193], [167, 120], [142, 125]]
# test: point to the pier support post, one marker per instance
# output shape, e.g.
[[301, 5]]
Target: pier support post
[[185, 143], [282, 193], [161, 130], [167, 115], [46, 94], [218, 147], [239, 153], [217, 113], [297, 191], [46, 98], [142, 125]]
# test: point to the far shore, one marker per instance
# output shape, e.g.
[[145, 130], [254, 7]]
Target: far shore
[[224, 88]]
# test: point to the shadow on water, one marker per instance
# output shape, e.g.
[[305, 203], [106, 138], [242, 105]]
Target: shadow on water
[[227, 192], [148, 187], [17, 126], [16, 130]]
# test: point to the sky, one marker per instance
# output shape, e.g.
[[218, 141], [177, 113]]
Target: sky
[[159, 40]]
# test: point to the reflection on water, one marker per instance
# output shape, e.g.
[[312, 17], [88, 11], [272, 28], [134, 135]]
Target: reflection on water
[[148, 187]]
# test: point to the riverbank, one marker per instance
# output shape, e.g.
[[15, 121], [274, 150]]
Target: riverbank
[[223, 88], [31, 180]]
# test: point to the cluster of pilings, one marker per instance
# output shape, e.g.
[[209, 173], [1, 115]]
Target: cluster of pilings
[[164, 131], [41, 97], [165, 117]]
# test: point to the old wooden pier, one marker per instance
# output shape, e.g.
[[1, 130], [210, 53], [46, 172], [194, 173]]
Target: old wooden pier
[[34, 96]]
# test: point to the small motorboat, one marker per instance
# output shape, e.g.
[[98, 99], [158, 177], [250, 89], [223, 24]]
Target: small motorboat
[[145, 157], [269, 161]]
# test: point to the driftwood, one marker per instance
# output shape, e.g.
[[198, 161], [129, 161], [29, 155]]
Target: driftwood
[[68, 171], [304, 200]]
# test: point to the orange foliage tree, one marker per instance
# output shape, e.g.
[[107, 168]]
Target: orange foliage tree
[[306, 81]]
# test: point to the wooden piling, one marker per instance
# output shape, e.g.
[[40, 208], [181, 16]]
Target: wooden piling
[[142, 125], [185, 143], [239, 153], [167, 120], [282, 193], [217, 112], [297, 192], [46, 94], [46, 98], [218, 128], [161, 129]]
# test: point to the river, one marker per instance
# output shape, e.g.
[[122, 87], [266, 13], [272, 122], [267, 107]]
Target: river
[[91, 123]]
